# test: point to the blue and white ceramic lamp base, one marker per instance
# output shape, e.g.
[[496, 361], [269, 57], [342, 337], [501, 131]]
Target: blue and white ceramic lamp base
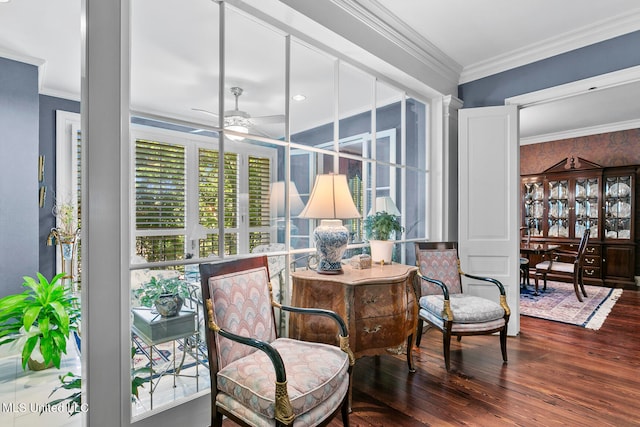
[[331, 238]]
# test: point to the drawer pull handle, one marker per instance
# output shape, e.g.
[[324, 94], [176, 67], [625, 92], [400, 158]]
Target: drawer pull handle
[[369, 300], [589, 260], [372, 331], [591, 250], [589, 272]]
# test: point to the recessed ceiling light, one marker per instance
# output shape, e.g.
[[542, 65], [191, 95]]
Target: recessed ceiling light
[[5, 1], [299, 97]]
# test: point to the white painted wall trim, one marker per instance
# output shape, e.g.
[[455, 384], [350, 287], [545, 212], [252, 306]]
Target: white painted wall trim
[[581, 37]]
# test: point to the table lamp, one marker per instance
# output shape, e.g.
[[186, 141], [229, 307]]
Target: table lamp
[[331, 202], [385, 204], [276, 201]]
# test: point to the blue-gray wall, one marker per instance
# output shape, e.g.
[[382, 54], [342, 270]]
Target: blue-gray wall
[[600, 58], [48, 107], [18, 174]]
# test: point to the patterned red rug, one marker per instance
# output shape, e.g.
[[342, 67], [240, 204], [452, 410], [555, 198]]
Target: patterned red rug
[[559, 303]]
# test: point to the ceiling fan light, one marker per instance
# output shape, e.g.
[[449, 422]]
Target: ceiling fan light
[[237, 124]]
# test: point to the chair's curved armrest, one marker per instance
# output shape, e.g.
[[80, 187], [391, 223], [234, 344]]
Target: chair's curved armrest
[[284, 409], [344, 332], [488, 279], [503, 294], [445, 290], [447, 314]]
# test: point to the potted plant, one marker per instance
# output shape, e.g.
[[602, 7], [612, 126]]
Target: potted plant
[[40, 318], [378, 228], [166, 294]]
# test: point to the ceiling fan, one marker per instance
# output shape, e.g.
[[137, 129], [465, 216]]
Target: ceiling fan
[[241, 121]]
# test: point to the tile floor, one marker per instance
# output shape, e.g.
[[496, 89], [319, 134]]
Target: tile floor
[[22, 393]]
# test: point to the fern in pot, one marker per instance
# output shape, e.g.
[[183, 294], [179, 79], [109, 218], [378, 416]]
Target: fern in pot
[[379, 228]]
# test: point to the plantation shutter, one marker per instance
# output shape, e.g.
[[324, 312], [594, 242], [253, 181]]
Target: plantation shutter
[[160, 188], [208, 182], [259, 209]]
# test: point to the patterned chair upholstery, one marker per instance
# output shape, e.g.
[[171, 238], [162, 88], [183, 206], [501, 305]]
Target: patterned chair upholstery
[[445, 307], [257, 378]]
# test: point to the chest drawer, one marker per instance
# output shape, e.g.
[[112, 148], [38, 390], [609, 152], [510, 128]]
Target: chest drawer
[[379, 300]]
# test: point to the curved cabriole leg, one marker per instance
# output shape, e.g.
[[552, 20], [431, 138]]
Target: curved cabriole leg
[[412, 368]]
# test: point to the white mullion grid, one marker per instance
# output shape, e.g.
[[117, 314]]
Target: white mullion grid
[[192, 195]]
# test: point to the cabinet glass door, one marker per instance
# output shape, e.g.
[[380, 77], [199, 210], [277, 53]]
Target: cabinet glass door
[[533, 208], [586, 207], [558, 205], [618, 209]]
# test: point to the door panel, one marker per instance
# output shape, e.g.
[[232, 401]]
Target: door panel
[[489, 185]]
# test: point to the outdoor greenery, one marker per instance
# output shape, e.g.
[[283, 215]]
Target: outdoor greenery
[[41, 317], [381, 225], [71, 381]]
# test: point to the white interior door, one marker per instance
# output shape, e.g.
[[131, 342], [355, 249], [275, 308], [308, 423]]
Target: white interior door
[[489, 182]]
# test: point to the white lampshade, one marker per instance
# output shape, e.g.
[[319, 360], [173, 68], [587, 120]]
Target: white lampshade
[[330, 199], [385, 204], [276, 199]]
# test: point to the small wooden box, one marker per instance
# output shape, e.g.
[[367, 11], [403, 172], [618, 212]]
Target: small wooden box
[[361, 262]]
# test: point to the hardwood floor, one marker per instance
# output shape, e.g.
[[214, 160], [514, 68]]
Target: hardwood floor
[[557, 375]]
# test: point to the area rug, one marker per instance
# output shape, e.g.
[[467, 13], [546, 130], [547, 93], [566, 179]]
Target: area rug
[[559, 303]]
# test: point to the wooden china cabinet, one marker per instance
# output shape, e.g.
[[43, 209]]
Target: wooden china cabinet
[[576, 194]]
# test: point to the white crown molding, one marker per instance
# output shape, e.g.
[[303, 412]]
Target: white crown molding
[[383, 21], [576, 133], [571, 40]]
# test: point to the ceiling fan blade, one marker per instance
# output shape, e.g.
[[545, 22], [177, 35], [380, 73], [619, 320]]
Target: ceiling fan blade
[[200, 110], [264, 120]]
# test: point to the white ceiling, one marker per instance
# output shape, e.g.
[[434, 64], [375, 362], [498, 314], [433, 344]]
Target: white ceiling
[[174, 48]]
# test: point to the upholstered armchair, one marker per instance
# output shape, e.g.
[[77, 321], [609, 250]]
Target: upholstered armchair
[[569, 264], [444, 306], [258, 378]]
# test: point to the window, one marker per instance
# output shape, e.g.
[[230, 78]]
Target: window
[[176, 192]]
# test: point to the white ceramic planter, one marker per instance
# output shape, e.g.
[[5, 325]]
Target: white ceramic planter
[[381, 250]]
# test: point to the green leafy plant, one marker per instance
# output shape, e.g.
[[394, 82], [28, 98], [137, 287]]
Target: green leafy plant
[[380, 225], [42, 316], [71, 381], [149, 292]]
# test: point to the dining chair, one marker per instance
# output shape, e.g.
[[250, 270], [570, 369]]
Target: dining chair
[[568, 264], [258, 378], [444, 306]]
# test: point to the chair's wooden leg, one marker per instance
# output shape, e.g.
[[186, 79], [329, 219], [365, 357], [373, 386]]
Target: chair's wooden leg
[[216, 419], [576, 288], [346, 408], [503, 343], [536, 284], [446, 346], [419, 332], [582, 285]]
